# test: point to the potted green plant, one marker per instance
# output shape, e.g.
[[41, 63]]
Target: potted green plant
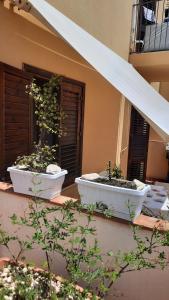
[[119, 195], [39, 173]]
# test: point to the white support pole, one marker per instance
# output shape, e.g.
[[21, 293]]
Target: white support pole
[[120, 131]]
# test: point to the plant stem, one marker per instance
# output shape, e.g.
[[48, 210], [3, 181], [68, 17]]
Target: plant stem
[[48, 262], [109, 171]]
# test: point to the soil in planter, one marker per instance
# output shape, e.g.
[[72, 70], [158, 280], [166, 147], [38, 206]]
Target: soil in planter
[[116, 182]]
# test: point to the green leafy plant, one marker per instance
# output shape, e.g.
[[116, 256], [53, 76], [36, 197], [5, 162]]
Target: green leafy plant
[[57, 230], [49, 119], [117, 172], [114, 172], [38, 160]]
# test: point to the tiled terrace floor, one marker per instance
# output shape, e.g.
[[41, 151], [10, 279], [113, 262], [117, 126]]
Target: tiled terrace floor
[[71, 191]]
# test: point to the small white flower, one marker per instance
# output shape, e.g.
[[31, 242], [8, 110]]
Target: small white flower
[[5, 270], [58, 287], [12, 286], [9, 279], [8, 297], [24, 270]]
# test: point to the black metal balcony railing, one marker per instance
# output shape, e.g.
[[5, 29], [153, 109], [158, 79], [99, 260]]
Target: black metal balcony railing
[[150, 26]]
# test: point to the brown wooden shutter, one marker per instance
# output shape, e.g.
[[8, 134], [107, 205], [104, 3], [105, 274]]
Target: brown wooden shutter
[[138, 146], [15, 116], [70, 146]]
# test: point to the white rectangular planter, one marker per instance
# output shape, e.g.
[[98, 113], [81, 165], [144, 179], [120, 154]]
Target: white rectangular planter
[[47, 186], [117, 199]]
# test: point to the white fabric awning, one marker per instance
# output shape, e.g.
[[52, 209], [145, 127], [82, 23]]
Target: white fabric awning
[[111, 66]]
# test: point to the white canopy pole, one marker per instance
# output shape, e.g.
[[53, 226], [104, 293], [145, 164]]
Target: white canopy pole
[[110, 65]]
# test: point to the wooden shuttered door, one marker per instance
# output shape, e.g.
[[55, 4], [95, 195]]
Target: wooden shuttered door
[[15, 116], [138, 147], [70, 146]]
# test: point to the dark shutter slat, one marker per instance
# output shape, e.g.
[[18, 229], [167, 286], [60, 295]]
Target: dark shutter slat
[[17, 126], [138, 147], [70, 145], [17, 117]]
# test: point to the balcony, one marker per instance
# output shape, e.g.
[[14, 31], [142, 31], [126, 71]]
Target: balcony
[[150, 26]]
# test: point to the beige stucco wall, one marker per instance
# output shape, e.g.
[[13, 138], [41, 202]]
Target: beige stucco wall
[[112, 236], [157, 164], [23, 42], [109, 21], [153, 66]]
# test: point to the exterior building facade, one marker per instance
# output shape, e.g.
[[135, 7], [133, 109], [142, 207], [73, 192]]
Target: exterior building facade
[[150, 58]]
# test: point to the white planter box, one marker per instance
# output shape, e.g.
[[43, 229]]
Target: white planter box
[[45, 186], [116, 198]]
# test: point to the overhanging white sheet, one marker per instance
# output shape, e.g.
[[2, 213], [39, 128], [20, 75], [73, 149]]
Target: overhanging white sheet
[[111, 66]]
